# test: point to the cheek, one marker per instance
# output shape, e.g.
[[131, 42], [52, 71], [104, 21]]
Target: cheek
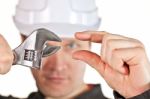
[[41, 82], [78, 69], [39, 77], [36, 75]]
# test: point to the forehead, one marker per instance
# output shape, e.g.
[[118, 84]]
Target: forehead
[[69, 39]]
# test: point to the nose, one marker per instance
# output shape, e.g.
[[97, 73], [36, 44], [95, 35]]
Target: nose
[[56, 62]]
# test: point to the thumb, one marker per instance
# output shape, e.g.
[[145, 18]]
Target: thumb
[[90, 58]]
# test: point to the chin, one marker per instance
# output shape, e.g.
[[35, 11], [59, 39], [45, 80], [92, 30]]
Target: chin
[[59, 93], [55, 89]]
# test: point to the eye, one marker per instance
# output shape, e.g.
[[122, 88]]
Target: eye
[[72, 45]]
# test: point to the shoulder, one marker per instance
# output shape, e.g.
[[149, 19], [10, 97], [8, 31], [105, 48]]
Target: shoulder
[[7, 97], [145, 95], [35, 95], [94, 92]]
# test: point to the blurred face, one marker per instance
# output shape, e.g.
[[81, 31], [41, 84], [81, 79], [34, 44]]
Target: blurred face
[[61, 76]]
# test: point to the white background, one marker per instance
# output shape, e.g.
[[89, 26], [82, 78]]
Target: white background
[[125, 17]]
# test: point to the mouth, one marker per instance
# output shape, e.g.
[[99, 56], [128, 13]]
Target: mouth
[[55, 79]]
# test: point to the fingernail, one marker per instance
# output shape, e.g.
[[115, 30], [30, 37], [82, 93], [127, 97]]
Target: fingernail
[[83, 34]]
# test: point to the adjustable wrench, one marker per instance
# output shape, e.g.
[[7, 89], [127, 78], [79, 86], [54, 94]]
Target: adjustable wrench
[[31, 51]]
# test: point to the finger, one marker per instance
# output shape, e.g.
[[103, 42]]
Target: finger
[[93, 36], [123, 59], [118, 44], [106, 39], [6, 56], [90, 58]]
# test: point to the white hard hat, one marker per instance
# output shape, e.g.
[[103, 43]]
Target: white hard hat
[[63, 17]]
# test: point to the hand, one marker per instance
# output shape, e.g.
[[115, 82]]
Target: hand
[[123, 62], [6, 56]]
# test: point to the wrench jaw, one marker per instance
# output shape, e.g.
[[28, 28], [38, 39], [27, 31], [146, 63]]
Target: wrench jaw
[[49, 50], [31, 51], [42, 37]]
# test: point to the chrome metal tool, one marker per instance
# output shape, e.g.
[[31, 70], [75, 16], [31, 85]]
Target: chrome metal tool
[[31, 51]]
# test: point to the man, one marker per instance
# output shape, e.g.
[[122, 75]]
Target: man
[[61, 77]]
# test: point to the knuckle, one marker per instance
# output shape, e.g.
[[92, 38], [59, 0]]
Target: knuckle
[[140, 49], [1, 36], [6, 59], [109, 43], [138, 42], [4, 69], [109, 37], [106, 37], [141, 53], [5, 63]]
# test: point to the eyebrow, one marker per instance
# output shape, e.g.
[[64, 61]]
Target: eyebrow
[[70, 40]]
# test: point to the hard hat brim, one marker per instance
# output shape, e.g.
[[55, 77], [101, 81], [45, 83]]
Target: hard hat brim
[[61, 29]]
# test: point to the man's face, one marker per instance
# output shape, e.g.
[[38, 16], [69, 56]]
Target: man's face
[[61, 75]]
